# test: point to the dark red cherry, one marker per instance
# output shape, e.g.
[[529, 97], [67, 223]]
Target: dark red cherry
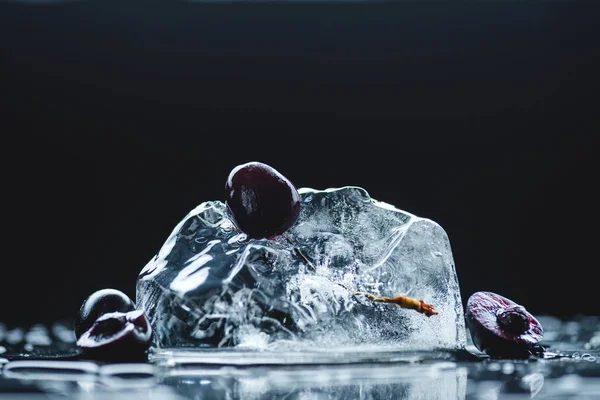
[[99, 303], [117, 337], [262, 202], [500, 327]]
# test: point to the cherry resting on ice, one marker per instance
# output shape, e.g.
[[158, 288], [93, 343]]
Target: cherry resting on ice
[[500, 327], [262, 202], [99, 303], [117, 336]]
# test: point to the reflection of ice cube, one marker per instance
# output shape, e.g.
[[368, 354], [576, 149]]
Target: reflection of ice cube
[[212, 286], [406, 382]]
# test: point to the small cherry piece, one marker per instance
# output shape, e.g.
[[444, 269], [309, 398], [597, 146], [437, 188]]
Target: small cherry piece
[[99, 303], [117, 337], [500, 327]]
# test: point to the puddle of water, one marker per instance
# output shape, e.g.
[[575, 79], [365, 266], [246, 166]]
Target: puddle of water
[[570, 368]]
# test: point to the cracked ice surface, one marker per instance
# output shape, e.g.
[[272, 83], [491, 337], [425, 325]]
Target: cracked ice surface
[[212, 286]]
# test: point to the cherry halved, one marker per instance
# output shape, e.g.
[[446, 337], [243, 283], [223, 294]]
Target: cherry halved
[[117, 337], [262, 202], [99, 303], [500, 327]]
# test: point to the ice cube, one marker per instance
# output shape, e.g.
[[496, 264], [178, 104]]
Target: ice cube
[[210, 285]]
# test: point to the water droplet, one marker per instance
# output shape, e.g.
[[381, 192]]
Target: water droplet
[[495, 366], [15, 336], [588, 357], [508, 368], [38, 336], [64, 334]]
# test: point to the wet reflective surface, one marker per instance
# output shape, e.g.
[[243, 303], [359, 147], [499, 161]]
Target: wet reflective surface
[[52, 368]]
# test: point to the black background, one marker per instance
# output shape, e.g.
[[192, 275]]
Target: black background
[[119, 117]]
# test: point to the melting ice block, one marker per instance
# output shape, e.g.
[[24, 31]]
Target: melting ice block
[[211, 286]]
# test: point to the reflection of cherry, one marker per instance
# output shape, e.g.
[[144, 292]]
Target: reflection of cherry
[[99, 303], [500, 327], [117, 337], [262, 202]]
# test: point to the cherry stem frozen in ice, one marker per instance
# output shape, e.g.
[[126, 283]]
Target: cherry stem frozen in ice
[[403, 301]]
